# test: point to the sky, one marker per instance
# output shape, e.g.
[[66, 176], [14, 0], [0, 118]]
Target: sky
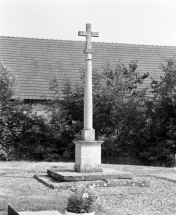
[[148, 22]]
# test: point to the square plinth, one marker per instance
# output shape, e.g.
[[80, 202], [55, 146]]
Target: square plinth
[[88, 156], [71, 175]]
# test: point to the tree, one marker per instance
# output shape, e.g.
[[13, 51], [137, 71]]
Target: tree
[[159, 136]]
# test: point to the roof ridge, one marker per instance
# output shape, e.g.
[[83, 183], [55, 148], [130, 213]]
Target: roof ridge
[[132, 44], [84, 41], [40, 38]]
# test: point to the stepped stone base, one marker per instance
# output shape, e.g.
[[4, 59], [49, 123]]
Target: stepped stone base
[[71, 175], [55, 184], [109, 178]]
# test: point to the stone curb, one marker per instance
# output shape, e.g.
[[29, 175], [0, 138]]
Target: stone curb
[[46, 183], [125, 183], [161, 177]]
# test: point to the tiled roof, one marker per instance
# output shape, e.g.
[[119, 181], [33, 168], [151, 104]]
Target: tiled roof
[[34, 61]]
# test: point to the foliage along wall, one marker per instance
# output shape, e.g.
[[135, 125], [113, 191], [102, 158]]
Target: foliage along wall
[[129, 121]]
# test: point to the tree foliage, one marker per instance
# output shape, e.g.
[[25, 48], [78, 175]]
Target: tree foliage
[[23, 133], [116, 104], [160, 131], [6, 110]]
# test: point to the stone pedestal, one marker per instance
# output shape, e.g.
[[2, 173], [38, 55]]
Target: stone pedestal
[[88, 156]]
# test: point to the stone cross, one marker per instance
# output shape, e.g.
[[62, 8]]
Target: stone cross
[[88, 150], [88, 132], [88, 34]]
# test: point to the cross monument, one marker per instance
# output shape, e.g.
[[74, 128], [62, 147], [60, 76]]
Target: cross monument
[[88, 150]]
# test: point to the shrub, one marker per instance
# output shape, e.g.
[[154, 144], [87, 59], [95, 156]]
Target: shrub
[[82, 200], [6, 110]]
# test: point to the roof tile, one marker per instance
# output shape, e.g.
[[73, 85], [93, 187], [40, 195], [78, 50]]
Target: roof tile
[[35, 61]]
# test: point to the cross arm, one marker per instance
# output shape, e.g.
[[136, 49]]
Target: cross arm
[[82, 33], [94, 34]]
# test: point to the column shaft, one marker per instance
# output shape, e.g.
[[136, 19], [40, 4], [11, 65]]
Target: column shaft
[[88, 107]]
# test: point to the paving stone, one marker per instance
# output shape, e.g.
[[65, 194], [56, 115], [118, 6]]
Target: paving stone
[[126, 182], [77, 176], [3, 213], [12, 211], [119, 190], [39, 213]]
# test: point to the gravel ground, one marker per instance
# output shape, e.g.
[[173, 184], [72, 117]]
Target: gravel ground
[[23, 192], [159, 198]]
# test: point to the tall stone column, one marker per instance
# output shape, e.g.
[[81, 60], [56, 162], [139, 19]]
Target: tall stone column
[[88, 133], [87, 150]]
